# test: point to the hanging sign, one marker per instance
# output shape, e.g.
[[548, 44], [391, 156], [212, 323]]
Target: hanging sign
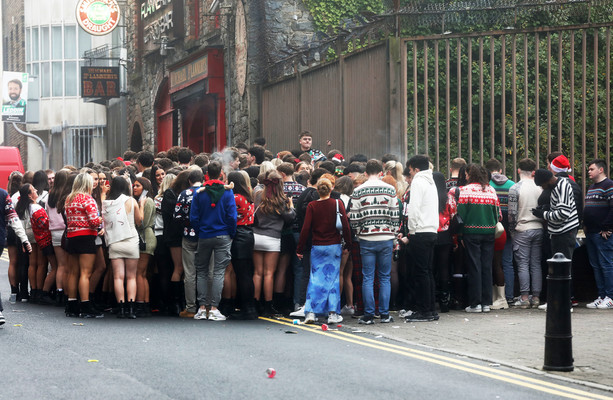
[[98, 17]]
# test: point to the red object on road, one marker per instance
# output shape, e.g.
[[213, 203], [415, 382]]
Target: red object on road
[[271, 372], [324, 327]]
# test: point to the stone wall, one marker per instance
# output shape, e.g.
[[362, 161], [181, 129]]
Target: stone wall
[[275, 29], [14, 60]]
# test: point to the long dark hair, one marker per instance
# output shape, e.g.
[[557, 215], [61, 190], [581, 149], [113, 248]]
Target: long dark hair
[[441, 188], [15, 180], [58, 186], [240, 185], [119, 186], [24, 200], [477, 174], [181, 182], [66, 190], [40, 181], [146, 184]]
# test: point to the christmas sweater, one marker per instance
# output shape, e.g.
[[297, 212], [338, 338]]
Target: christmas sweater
[[245, 210], [181, 214], [478, 207], [375, 214], [40, 225], [82, 217]]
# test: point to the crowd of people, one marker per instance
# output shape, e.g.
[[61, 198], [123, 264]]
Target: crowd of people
[[244, 233]]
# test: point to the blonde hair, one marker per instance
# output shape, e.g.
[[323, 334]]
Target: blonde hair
[[247, 181], [83, 184], [276, 162], [324, 186], [166, 183], [360, 179], [266, 166], [394, 169]]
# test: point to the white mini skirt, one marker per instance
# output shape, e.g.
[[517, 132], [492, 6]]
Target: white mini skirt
[[266, 243]]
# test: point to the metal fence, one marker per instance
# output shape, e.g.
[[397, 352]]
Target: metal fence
[[84, 144], [346, 101], [511, 94]]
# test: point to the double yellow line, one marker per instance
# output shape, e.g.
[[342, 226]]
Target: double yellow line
[[489, 372]]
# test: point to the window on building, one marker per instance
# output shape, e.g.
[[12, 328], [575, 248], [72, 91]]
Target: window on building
[[71, 78], [44, 43], [57, 42], [57, 79]]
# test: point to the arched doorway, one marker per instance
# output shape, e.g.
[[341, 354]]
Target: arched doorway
[[166, 119], [136, 140]]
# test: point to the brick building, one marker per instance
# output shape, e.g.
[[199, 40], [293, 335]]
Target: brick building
[[196, 67]]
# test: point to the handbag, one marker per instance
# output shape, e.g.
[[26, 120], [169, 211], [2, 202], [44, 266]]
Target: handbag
[[499, 230], [457, 223], [339, 222], [142, 246]]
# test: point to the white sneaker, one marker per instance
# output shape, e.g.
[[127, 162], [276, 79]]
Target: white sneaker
[[216, 315], [475, 309], [310, 318], [595, 303], [405, 313], [298, 313], [544, 307], [334, 318], [486, 308], [201, 314], [607, 304], [2, 319], [13, 298], [348, 310]]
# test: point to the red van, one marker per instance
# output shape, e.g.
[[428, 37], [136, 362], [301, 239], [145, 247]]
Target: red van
[[10, 160]]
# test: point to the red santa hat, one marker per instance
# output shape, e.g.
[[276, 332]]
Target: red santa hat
[[560, 164]]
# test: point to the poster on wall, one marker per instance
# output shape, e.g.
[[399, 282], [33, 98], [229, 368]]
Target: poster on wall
[[14, 95]]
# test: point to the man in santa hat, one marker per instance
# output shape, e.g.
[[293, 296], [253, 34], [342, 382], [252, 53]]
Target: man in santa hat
[[560, 168]]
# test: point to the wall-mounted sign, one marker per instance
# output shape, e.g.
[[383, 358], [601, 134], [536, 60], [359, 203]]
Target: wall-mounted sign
[[100, 82], [14, 95], [98, 17], [188, 74], [240, 47], [160, 18]]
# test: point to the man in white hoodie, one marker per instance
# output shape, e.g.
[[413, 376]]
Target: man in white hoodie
[[422, 221]]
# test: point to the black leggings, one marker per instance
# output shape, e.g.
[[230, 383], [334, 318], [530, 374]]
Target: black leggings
[[442, 258], [243, 268]]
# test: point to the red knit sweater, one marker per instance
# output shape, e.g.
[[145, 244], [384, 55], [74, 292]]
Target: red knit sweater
[[320, 224], [82, 216], [40, 225]]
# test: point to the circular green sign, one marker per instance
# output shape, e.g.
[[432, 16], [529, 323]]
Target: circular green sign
[[99, 13]]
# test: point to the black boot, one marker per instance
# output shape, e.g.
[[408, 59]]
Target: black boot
[[175, 306], [248, 311], [46, 299], [139, 309], [72, 308], [146, 309], [130, 314], [88, 311], [34, 296], [60, 298], [269, 310], [121, 312], [444, 302]]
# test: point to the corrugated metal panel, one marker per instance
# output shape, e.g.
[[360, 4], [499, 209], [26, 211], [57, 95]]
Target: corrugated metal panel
[[367, 103], [281, 115], [322, 107]]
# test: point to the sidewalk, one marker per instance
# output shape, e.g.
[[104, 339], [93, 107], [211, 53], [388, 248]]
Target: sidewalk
[[513, 337]]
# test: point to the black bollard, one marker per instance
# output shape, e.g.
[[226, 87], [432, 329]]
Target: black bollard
[[558, 333]]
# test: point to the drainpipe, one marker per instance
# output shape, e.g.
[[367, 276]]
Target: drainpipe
[[39, 140]]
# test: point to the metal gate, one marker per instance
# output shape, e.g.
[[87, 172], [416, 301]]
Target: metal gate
[[511, 94]]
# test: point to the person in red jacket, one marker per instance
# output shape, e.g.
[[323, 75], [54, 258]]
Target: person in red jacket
[[82, 222]]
